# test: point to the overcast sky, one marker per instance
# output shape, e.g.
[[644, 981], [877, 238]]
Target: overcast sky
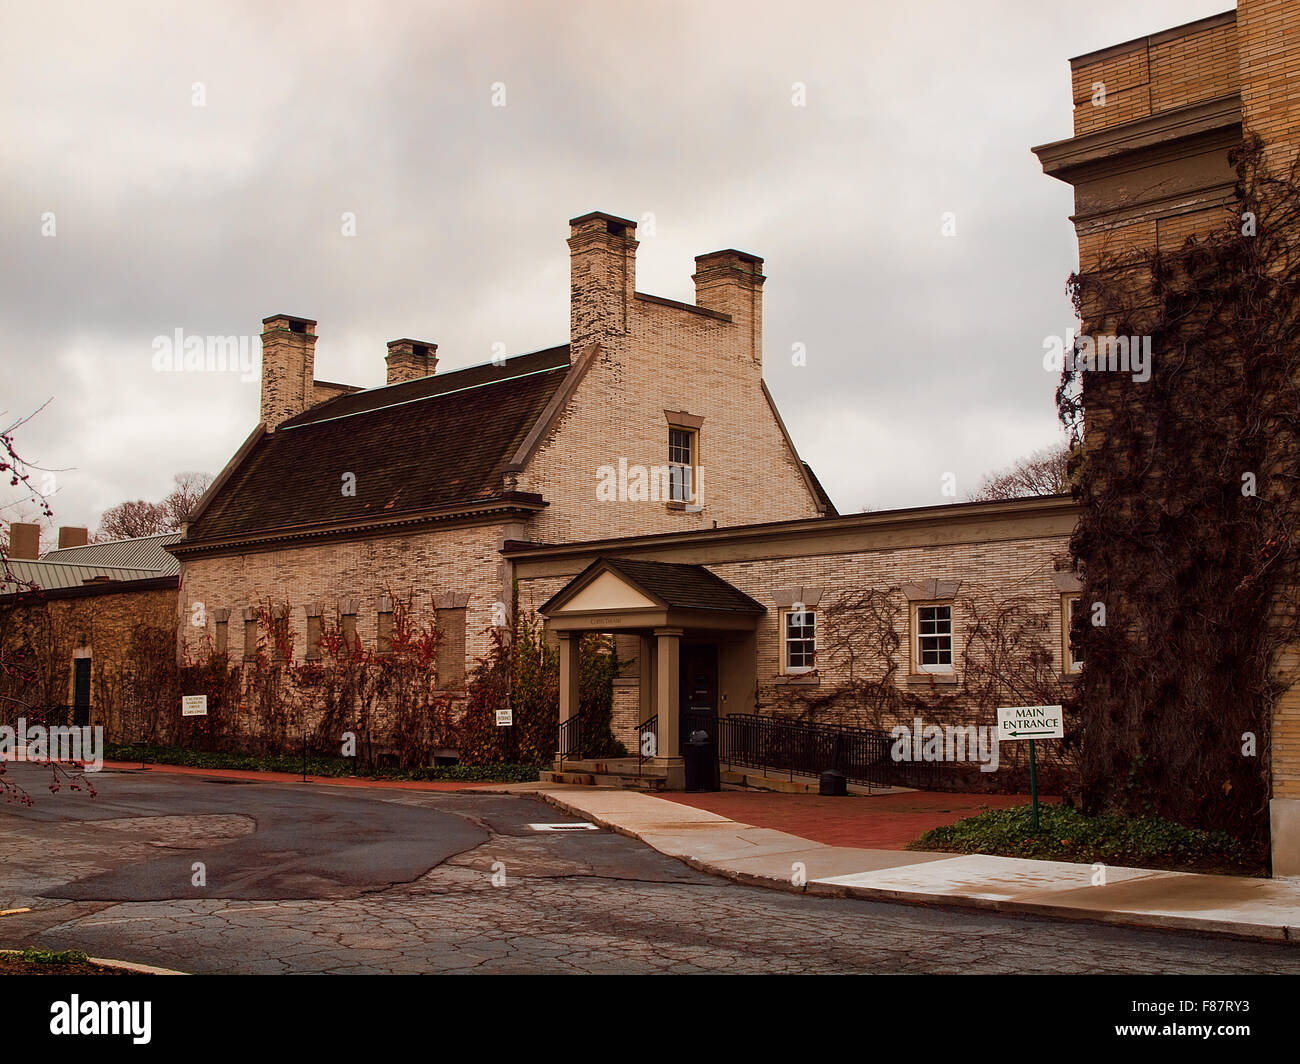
[[924, 352]]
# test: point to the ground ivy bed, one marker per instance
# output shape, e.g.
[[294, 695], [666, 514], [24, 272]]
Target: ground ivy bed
[[52, 962], [317, 766], [1065, 834]]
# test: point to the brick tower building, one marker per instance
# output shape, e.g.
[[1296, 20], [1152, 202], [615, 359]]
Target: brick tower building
[[1154, 122]]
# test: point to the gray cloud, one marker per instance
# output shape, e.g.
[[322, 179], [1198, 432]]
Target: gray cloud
[[924, 352]]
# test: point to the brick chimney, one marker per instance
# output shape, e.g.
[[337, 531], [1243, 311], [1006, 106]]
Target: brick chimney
[[288, 367], [73, 537], [409, 360], [732, 282], [24, 541], [602, 278]]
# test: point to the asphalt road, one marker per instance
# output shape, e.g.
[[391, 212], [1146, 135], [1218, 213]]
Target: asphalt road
[[313, 878]]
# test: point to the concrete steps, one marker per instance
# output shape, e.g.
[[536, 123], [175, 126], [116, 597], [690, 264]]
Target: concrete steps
[[611, 772]]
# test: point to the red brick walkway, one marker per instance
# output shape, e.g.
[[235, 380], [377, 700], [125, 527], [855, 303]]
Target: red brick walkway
[[882, 822], [294, 777]]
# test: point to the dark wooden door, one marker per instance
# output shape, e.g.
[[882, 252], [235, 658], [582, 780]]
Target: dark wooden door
[[699, 690], [81, 692]]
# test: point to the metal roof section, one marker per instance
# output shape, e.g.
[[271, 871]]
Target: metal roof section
[[51, 576], [143, 553]]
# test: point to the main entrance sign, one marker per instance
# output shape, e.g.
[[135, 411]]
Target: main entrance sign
[[1030, 722]]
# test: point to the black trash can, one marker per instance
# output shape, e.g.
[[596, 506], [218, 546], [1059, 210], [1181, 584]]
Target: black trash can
[[700, 753], [834, 783]]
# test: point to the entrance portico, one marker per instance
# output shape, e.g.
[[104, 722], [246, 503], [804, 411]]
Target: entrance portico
[[679, 613]]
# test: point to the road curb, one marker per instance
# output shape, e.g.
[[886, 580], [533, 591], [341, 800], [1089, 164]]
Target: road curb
[[131, 966], [1111, 918]]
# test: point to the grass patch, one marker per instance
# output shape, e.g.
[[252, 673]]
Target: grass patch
[[1067, 835], [335, 767]]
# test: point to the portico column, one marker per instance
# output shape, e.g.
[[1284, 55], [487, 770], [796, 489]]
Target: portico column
[[667, 695], [646, 685], [569, 644]]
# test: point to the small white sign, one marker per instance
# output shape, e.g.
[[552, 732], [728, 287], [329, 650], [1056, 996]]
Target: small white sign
[[194, 705], [1030, 722], [564, 827], [505, 718]]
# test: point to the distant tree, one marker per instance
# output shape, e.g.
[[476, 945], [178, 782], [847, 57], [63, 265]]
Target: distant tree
[[183, 498], [139, 517], [1044, 472]]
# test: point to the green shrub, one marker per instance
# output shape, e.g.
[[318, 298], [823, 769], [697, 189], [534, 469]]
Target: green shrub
[[45, 956], [1067, 835]]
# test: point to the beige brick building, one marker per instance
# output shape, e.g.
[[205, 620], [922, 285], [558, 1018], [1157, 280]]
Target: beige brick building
[[654, 418], [72, 620], [866, 621], [650, 439]]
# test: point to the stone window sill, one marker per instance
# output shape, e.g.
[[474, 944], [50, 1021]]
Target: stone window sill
[[799, 678], [626, 681], [931, 679]]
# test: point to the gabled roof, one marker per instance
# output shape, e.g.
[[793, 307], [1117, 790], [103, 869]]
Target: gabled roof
[[670, 584], [141, 552], [823, 499], [421, 445]]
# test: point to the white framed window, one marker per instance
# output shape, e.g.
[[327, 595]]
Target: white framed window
[[798, 640], [682, 459], [1071, 654], [933, 643]]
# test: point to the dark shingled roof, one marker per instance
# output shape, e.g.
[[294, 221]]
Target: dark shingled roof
[[415, 446], [684, 586]]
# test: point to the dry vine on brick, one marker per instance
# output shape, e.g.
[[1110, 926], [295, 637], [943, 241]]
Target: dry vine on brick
[[1188, 489]]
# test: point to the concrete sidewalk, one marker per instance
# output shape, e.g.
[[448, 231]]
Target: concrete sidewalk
[[1139, 897]]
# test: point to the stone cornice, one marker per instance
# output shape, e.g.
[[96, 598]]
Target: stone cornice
[[976, 522], [1168, 132]]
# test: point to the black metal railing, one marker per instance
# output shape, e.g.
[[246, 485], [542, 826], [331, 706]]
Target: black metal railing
[[570, 748], [803, 749], [48, 715], [647, 741]]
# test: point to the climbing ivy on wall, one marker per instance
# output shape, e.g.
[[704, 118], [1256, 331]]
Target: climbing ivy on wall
[[1189, 486], [522, 670], [1007, 656]]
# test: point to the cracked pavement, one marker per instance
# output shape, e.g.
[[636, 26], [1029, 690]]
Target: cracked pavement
[[309, 878]]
